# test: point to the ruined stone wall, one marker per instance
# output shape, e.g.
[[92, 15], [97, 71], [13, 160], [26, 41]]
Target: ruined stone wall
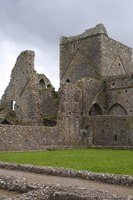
[[111, 130], [69, 115], [21, 74], [93, 54], [113, 96], [116, 57], [84, 61], [30, 190], [50, 108], [32, 93], [26, 138], [80, 56], [119, 95], [116, 96], [91, 89]]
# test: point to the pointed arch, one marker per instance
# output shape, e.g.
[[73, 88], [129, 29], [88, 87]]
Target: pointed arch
[[95, 110], [117, 109], [42, 82]]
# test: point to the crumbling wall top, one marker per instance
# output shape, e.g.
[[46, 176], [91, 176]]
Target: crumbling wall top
[[98, 29]]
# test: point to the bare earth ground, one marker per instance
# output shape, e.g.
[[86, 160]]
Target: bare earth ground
[[8, 193], [65, 181]]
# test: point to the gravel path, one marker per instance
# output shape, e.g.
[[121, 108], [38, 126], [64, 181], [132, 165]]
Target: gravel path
[[65, 181], [8, 193]]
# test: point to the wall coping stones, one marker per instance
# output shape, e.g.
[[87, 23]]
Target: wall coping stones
[[97, 30], [118, 179]]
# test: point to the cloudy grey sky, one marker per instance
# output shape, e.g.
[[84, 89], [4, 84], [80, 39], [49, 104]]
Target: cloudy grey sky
[[38, 25]]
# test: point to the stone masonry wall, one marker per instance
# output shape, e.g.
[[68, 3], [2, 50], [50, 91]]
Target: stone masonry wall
[[69, 115], [119, 91], [91, 88], [116, 57], [111, 130], [26, 138], [116, 96], [80, 56], [93, 54]]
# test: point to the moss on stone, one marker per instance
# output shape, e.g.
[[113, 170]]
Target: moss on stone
[[50, 117], [3, 106], [55, 94]]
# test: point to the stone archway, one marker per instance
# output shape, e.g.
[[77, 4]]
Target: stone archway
[[95, 110], [117, 109]]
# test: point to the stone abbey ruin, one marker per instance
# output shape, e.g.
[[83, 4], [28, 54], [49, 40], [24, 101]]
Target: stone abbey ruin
[[94, 104]]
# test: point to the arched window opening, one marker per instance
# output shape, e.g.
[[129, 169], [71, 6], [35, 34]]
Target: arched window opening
[[117, 110], [95, 110], [42, 82], [49, 86], [68, 81], [115, 138], [13, 103]]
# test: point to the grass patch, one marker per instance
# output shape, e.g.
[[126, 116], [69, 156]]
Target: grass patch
[[96, 160]]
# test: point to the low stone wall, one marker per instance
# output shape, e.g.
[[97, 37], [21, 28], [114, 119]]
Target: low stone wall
[[32, 191], [26, 138], [105, 178]]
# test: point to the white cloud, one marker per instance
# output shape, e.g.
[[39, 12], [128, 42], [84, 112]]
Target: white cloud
[[7, 61]]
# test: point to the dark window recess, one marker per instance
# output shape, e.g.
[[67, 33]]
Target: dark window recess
[[115, 138], [49, 123], [95, 110], [68, 81], [42, 82], [73, 47], [87, 127], [49, 86]]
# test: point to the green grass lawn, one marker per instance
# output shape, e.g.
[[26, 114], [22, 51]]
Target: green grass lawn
[[96, 160]]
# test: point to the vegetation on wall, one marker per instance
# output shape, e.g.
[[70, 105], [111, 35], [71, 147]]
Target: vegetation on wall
[[49, 120]]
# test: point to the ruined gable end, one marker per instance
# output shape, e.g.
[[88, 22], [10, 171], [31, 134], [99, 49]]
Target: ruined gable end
[[27, 92]]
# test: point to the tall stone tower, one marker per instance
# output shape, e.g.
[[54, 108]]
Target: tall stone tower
[[93, 54]]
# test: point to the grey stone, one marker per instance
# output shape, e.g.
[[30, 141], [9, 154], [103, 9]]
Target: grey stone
[[95, 95]]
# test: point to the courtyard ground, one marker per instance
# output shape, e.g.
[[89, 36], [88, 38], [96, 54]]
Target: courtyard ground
[[95, 160]]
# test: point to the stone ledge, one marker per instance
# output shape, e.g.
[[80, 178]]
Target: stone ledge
[[124, 180]]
